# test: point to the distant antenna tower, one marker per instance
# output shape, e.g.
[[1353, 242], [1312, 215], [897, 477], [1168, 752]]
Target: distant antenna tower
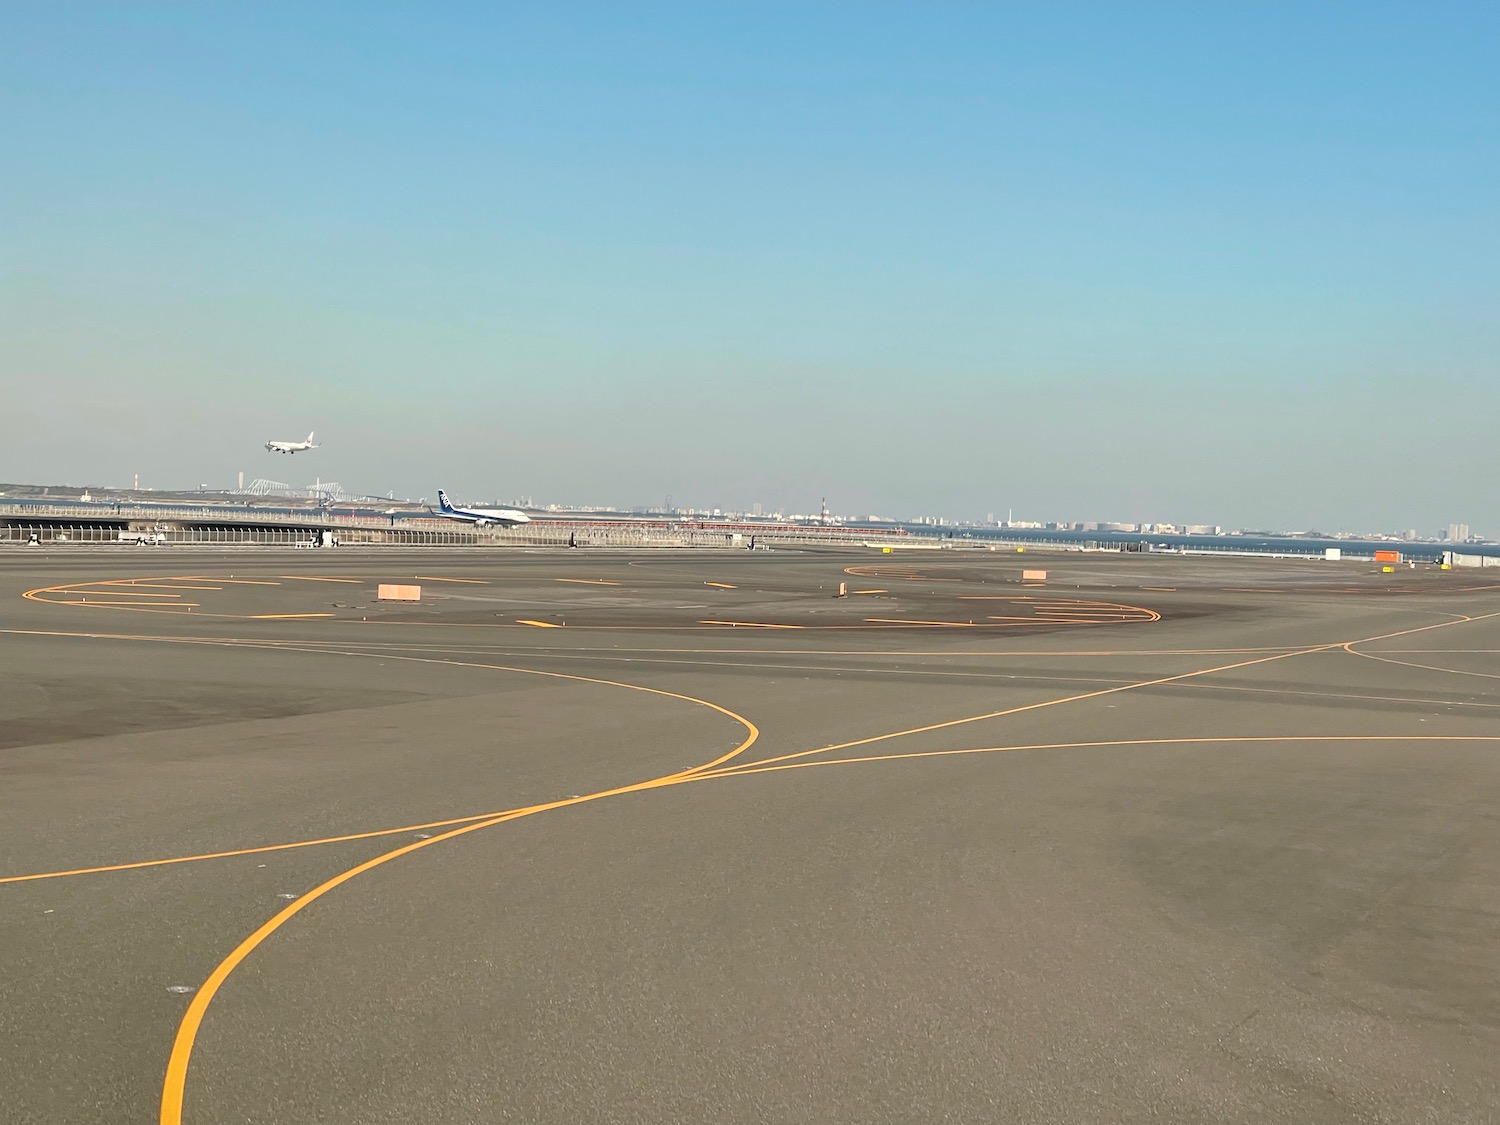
[[823, 515]]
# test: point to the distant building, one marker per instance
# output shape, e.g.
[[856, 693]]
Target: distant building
[[1458, 532]]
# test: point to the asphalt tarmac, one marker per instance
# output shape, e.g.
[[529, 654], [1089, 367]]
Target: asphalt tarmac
[[684, 837]]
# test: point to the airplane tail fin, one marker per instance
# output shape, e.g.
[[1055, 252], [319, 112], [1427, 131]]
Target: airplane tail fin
[[309, 437], [443, 501]]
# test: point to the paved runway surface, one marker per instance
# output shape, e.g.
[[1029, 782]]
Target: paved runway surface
[[680, 837]]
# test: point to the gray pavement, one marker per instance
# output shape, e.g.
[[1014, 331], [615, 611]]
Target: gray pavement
[[1166, 839]]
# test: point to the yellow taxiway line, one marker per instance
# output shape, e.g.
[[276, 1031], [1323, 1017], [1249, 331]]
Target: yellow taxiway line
[[112, 592], [750, 624], [1206, 740], [232, 581], [153, 585], [175, 1077]]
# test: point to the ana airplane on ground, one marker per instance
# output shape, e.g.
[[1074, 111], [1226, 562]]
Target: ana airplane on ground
[[290, 446], [480, 517]]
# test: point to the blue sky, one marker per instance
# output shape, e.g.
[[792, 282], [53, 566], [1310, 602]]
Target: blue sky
[[1209, 263]]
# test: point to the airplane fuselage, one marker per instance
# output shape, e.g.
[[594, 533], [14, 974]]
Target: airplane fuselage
[[290, 446], [480, 517]]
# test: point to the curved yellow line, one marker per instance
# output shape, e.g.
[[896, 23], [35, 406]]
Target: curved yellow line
[[752, 734], [1422, 667], [169, 861], [175, 1080], [1037, 706], [174, 1083], [1108, 613], [1346, 646], [176, 1072], [749, 767], [744, 771]]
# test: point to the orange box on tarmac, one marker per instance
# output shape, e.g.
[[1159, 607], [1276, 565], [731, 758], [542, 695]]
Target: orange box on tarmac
[[388, 593], [1033, 576], [1387, 556]]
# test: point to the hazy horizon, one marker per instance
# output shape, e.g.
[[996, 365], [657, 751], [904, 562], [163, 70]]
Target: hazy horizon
[[1233, 265]]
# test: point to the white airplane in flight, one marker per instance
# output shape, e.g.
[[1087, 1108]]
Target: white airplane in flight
[[290, 446], [480, 517]]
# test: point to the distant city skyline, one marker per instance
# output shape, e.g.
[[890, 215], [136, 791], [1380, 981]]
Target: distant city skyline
[[1228, 264]]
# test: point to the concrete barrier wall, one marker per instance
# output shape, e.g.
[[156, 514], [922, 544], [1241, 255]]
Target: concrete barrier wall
[[530, 535], [233, 524], [1458, 558]]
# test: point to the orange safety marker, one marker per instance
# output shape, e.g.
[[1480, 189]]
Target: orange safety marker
[[389, 592]]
